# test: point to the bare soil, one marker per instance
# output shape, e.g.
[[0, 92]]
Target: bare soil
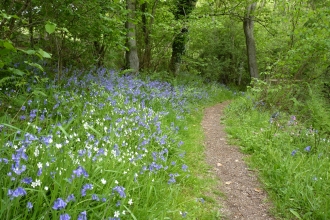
[[244, 198]]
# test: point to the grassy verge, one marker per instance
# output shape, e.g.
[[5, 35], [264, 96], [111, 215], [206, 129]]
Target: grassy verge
[[293, 161], [104, 146]]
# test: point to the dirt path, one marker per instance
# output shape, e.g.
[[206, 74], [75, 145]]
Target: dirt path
[[244, 199]]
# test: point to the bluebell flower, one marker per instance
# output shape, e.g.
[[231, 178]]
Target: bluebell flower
[[47, 139], [59, 204], [70, 198], [154, 155], [95, 197], [172, 178], [293, 152], [80, 171], [81, 152], [27, 180], [16, 168], [184, 167], [29, 205], [85, 188], [65, 216], [118, 203], [308, 148], [21, 153], [39, 172], [120, 190], [16, 193], [82, 216], [33, 114], [154, 166]]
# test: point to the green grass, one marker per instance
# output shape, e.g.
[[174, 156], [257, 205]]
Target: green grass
[[107, 146], [292, 160]]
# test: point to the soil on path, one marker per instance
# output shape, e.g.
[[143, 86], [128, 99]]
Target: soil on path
[[244, 198]]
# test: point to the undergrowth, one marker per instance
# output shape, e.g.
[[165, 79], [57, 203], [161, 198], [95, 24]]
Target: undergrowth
[[288, 148]]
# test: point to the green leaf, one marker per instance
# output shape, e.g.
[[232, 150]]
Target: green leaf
[[16, 71], [63, 130], [44, 54], [8, 45], [13, 127], [50, 27], [34, 65], [38, 92], [295, 213], [30, 52]]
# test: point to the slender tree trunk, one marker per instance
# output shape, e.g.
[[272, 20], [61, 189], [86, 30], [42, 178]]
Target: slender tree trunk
[[31, 26], [132, 59], [146, 28], [248, 25], [100, 50], [178, 48]]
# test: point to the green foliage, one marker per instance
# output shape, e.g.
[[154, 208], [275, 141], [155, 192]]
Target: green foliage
[[292, 159], [216, 51]]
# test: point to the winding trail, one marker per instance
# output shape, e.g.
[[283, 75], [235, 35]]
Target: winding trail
[[244, 198]]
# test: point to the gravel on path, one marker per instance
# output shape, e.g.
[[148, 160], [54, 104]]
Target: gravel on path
[[243, 196]]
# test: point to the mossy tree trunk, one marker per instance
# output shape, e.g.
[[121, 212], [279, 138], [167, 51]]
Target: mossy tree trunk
[[248, 25], [132, 59], [183, 9]]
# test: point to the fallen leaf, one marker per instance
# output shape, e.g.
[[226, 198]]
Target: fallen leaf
[[257, 190], [219, 164]]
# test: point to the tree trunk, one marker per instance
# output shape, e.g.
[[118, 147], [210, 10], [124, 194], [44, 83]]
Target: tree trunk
[[248, 25], [183, 9], [146, 29], [31, 26], [178, 48], [132, 59], [100, 50]]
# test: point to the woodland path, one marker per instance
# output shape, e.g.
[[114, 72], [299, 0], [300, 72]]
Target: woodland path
[[243, 196]]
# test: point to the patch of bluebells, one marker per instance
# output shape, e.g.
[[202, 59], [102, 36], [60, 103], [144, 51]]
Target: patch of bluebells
[[128, 130]]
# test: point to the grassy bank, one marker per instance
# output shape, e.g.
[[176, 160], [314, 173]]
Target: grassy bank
[[291, 158], [102, 146]]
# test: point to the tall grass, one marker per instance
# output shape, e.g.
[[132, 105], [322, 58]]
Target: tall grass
[[291, 157], [102, 146]]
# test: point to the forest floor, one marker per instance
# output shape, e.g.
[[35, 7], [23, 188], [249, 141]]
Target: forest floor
[[243, 197]]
